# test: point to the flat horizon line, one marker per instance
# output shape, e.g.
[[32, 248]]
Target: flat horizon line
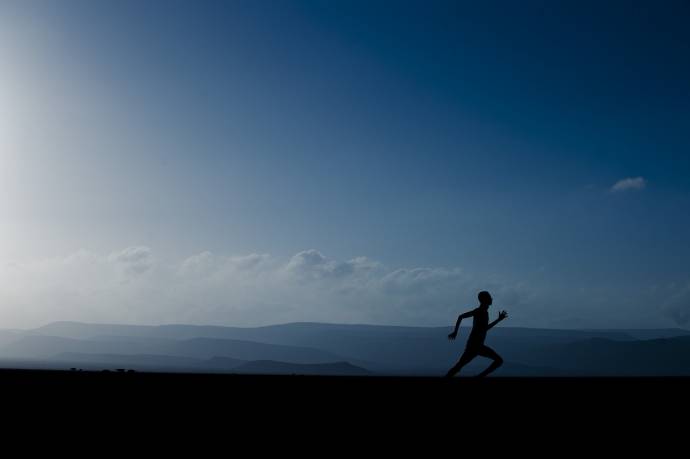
[[357, 324]]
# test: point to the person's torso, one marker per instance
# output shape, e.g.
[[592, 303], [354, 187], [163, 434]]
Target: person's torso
[[479, 326]]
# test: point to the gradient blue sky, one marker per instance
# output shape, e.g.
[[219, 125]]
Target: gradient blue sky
[[452, 137]]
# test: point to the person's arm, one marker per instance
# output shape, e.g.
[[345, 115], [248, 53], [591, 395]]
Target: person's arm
[[457, 324], [501, 315]]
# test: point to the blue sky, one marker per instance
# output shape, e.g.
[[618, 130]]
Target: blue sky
[[480, 144]]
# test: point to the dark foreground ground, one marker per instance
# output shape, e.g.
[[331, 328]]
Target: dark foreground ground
[[529, 409], [368, 394]]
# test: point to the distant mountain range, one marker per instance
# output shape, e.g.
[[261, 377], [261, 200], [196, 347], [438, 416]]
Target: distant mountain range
[[328, 349]]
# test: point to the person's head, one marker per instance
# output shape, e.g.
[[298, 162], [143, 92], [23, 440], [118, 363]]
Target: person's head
[[484, 298]]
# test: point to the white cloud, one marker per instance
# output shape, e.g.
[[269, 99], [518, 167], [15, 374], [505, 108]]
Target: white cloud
[[677, 303], [133, 260], [628, 184], [311, 264]]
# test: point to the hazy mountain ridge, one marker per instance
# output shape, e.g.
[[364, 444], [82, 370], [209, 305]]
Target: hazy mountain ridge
[[297, 347], [601, 357], [35, 346]]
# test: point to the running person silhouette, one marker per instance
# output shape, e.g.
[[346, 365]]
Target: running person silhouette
[[475, 343]]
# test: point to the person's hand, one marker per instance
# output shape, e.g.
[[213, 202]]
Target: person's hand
[[502, 315], [452, 336]]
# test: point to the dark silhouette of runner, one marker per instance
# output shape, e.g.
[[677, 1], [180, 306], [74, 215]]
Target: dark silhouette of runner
[[475, 343]]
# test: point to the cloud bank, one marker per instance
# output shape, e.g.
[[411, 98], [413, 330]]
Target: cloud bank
[[628, 184], [132, 286]]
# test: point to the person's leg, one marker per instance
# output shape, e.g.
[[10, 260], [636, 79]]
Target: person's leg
[[486, 351], [466, 358]]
